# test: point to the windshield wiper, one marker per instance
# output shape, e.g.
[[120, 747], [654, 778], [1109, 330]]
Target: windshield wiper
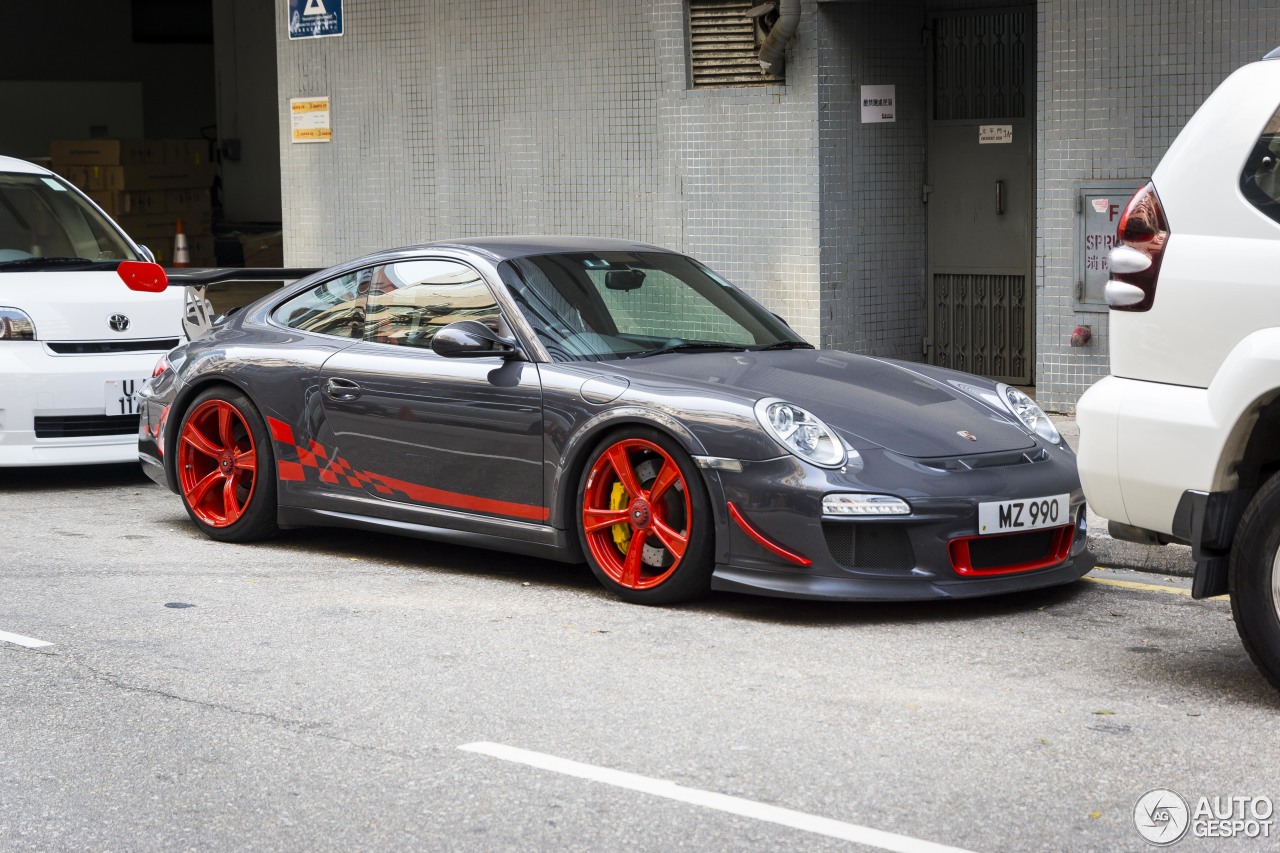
[[783, 345], [689, 347], [37, 261]]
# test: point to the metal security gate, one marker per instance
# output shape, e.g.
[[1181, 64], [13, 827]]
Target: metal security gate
[[981, 193]]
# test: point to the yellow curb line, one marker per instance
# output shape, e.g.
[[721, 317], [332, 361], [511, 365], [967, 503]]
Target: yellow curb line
[[1175, 590]]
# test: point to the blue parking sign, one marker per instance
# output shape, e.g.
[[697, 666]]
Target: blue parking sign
[[314, 18]]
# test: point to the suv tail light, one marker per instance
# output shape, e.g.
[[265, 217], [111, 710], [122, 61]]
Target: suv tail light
[[1135, 263]]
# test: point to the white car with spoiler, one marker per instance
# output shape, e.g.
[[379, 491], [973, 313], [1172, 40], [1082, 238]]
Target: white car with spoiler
[[85, 318], [76, 343]]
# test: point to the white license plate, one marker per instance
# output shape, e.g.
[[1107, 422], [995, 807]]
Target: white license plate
[[1027, 514], [121, 397]]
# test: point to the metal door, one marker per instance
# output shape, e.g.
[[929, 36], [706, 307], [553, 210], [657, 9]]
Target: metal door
[[981, 193]]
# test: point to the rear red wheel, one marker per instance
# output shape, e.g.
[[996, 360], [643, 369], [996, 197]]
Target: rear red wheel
[[643, 519], [224, 467]]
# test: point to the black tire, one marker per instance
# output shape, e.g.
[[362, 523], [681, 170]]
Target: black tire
[[230, 497], [1254, 580], [680, 513]]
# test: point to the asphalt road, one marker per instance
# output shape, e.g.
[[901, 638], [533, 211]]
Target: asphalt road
[[313, 693]]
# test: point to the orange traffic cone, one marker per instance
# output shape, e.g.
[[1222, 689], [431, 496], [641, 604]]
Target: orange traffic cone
[[181, 254]]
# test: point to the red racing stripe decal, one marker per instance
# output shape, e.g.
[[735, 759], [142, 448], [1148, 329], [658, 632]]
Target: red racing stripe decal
[[426, 494], [280, 431], [334, 470]]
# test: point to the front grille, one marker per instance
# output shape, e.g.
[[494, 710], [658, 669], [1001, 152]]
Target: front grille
[[857, 545], [91, 347], [1012, 552], [1015, 550], [82, 426]]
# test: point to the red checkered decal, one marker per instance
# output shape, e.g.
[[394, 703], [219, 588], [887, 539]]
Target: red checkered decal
[[335, 471]]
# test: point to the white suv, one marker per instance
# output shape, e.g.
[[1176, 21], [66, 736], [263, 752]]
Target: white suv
[[1182, 441]]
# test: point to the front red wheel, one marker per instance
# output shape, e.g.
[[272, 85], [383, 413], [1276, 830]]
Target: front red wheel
[[224, 467], [643, 519]]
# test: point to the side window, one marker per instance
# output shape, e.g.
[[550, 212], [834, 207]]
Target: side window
[[409, 301], [335, 307], [1260, 182]]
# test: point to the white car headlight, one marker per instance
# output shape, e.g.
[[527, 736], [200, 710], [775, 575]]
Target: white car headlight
[[16, 326], [801, 433], [1026, 410]]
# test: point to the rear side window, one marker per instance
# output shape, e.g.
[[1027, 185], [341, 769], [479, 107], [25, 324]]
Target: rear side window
[[335, 307], [1260, 182]]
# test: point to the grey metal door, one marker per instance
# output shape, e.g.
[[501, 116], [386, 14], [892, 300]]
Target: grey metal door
[[981, 193]]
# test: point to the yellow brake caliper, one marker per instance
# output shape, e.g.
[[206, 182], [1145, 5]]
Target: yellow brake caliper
[[619, 499]]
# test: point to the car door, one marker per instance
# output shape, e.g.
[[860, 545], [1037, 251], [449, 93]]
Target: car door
[[411, 426]]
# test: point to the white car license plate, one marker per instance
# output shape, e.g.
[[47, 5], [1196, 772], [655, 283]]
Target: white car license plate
[[1026, 514], [121, 397]]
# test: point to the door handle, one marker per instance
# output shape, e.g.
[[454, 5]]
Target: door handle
[[999, 198], [342, 389]]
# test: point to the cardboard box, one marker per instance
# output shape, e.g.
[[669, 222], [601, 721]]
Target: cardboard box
[[164, 226], [187, 152], [150, 177], [124, 202], [77, 176], [263, 250], [107, 152], [190, 198]]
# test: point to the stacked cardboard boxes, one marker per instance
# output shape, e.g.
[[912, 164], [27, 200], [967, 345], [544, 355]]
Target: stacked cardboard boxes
[[146, 186]]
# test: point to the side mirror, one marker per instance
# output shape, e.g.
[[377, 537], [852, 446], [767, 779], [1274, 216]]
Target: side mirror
[[471, 339], [143, 276]]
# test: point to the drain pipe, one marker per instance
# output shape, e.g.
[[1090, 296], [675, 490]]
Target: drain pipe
[[773, 52]]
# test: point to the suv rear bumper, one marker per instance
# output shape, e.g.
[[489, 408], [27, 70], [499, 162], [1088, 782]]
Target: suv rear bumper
[[1142, 446]]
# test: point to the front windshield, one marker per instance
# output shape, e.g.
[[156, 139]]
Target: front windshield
[[41, 216], [608, 305]]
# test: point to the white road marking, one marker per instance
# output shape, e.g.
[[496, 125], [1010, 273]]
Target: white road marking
[[22, 641], [722, 802]]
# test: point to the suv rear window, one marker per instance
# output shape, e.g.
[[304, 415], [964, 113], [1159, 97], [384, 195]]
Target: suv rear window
[[1260, 182]]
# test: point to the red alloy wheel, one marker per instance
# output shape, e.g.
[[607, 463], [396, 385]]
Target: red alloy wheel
[[217, 463], [626, 500]]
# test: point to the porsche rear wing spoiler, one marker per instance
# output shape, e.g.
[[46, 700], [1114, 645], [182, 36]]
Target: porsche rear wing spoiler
[[197, 316]]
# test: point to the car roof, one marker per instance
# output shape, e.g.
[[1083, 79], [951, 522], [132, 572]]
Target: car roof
[[13, 164], [505, 248]]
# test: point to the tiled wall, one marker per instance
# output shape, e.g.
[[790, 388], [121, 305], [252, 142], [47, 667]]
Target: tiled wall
[[873, 218], [491, 117], [1116, 83], [453, 120]]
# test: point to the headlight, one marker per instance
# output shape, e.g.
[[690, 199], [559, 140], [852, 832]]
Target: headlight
[[800, 433], [1026, 410], [16, 326]]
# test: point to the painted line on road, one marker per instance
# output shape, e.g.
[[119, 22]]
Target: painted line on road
[[1173, 590], [721, 802], [22, 641]]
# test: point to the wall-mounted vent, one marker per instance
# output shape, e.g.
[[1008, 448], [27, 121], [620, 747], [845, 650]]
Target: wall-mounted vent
[[724, 44]]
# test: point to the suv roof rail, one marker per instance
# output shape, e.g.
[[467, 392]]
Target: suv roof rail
[[1275, 54]]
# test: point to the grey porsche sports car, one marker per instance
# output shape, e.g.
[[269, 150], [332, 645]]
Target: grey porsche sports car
[[615, 402]]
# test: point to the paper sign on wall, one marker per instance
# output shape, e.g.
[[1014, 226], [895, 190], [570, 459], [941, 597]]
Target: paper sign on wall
[[309, 120], [879, 103], [995, 134]]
